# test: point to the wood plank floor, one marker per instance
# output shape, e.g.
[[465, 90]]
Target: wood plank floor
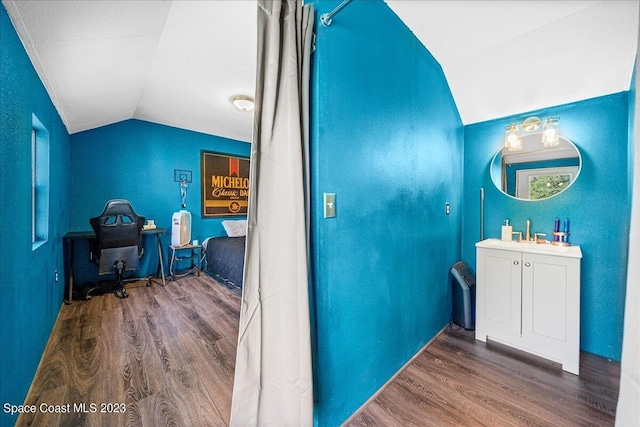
[[164, 355], [458, 381], [168, 355]]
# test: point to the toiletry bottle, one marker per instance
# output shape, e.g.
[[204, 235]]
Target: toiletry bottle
[[565, 237], [506, 231]]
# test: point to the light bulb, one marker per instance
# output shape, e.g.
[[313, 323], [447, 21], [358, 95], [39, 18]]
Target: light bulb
[[550, 133], [512, 140]]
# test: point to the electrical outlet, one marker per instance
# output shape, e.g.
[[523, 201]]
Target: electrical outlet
[[447, 208], [56, 276]]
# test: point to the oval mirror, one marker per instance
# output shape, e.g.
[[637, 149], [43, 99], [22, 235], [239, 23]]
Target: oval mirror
[[536, 172]]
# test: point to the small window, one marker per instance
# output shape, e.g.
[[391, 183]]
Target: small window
[[537, 184], [39, 183]]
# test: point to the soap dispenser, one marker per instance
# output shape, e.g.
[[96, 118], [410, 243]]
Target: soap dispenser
[[506, 231]]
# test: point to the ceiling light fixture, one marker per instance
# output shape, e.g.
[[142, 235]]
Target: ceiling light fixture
[[514, 132], [243, 102]]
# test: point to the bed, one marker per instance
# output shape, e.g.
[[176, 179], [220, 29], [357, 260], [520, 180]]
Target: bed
[[224, 255]]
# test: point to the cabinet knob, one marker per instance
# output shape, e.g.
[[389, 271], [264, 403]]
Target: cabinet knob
[[515, 263], [527, 264]]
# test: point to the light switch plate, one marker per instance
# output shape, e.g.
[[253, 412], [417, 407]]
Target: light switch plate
[[329, 205]]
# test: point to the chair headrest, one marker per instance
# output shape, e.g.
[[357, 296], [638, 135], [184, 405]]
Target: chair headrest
[[117, 212], [118, 207]]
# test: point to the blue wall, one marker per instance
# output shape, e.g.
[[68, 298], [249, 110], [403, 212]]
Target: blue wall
[[598, 205], [135, 160], [386, 137], [632, 129], [30, 298]]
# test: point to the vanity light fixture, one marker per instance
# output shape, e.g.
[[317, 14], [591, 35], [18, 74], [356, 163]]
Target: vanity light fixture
[[512, 139], [531, 123], [550, 132], [514, 132], [243, 102]]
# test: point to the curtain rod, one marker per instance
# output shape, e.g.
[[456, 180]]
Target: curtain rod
[[325, 18]]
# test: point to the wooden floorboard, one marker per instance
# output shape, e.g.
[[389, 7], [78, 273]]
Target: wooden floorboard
[[167, 355], [458, 381]]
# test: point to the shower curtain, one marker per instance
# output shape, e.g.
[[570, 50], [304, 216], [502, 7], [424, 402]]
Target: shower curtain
[[273, 377], [628, 411]]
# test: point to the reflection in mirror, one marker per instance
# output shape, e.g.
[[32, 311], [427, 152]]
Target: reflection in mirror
[[536, 172]]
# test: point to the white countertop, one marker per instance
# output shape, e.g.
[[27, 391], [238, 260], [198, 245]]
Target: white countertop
[[531, 247]]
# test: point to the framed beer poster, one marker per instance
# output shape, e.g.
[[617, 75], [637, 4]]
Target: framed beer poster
[[225, 184]]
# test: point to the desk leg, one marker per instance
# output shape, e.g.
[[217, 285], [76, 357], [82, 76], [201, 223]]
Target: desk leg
[[199, 261], [70, 246], [160, 261]]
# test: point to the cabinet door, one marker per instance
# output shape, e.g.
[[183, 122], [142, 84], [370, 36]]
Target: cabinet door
[[551, 307], [498, 294]]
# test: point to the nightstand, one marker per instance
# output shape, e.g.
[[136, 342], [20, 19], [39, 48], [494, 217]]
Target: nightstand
[[182, 253]]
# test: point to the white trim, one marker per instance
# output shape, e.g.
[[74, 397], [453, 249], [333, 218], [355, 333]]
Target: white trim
[[523, 178]]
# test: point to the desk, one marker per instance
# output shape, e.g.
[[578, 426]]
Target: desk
[[69, 239], [194, 255]]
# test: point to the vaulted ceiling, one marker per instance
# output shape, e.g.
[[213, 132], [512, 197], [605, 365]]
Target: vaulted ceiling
[[178, 63], [171, 62], [509, 57]]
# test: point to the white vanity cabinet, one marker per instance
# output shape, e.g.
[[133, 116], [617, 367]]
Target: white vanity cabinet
[[528, 297]]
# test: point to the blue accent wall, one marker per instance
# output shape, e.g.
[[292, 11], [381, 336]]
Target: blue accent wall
[[598, 205], [386, 137], [135, 160], [632, 126], [31, 298]]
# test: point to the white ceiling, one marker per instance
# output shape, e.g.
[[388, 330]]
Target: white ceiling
[[171, 62], [179, 62], [508, 57]]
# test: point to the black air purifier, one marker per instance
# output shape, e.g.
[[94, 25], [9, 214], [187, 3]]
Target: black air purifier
[[463, 294]]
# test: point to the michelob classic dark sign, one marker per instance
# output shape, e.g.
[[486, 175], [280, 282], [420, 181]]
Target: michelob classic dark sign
[[225, 184]]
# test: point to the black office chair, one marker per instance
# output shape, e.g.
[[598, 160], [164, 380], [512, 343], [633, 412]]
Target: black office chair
[[118, 245]]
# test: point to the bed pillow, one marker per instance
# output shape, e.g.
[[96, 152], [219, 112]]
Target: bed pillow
[[236, 228]]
